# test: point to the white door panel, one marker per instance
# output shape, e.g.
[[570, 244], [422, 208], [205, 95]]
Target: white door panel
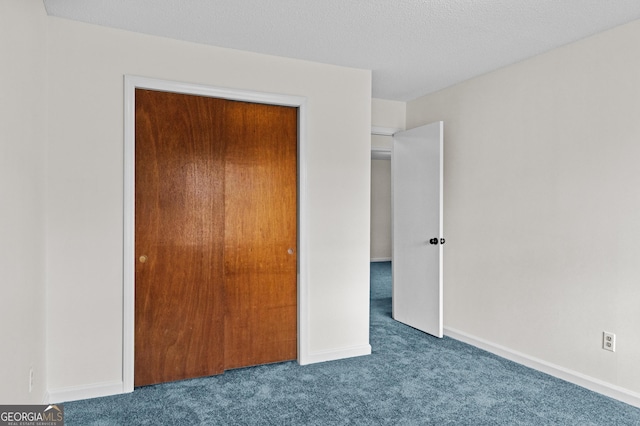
[[416, 164]]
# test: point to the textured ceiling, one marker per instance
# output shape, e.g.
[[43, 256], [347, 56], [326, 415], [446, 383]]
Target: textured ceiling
[[413, 47]]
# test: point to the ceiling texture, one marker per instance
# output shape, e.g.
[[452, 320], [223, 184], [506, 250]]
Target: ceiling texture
[[413, 47]]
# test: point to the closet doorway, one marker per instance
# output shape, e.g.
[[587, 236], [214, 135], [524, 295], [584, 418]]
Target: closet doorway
[[215, 261]]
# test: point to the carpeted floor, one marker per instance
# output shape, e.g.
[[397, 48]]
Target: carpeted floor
[[410, 379]]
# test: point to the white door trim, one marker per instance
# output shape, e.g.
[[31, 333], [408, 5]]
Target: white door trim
[[384, 131], [130, 84]]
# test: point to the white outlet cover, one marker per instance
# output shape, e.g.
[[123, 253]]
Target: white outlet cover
[[608, 341]]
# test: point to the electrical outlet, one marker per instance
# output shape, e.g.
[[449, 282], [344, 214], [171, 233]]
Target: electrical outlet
[[608, 341], [30, 379]]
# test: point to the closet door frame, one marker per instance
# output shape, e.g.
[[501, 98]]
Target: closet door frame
[[128, 319]]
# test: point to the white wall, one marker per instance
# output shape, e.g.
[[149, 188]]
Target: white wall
[[542, 170], [387, 114], [22, 236], [85, 198], [380, 210]]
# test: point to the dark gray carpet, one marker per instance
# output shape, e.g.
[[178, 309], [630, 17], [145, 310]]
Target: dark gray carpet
[[410, 379]]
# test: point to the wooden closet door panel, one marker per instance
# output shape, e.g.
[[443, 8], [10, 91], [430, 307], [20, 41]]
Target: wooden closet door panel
[[179, 227], [260, 234]]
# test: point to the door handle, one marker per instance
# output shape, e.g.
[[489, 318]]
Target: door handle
[[433, 241], [143, 258]]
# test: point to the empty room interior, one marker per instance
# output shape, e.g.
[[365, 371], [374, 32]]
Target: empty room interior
[[541, 144]]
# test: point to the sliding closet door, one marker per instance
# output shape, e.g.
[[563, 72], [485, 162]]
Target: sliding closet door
[[260, 234], [179, 237], [216, 235]]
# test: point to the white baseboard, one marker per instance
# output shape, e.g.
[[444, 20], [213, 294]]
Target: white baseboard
[[97, 390], [381, 259], [333, 355], [76, 393], [591, 383]]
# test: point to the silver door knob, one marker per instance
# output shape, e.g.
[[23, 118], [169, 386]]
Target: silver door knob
[[290, 251]]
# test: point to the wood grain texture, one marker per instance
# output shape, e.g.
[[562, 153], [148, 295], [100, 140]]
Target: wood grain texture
[[180, 227], [260, 229], [216, 216]]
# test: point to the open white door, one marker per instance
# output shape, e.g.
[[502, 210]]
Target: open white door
[[416, 173]]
